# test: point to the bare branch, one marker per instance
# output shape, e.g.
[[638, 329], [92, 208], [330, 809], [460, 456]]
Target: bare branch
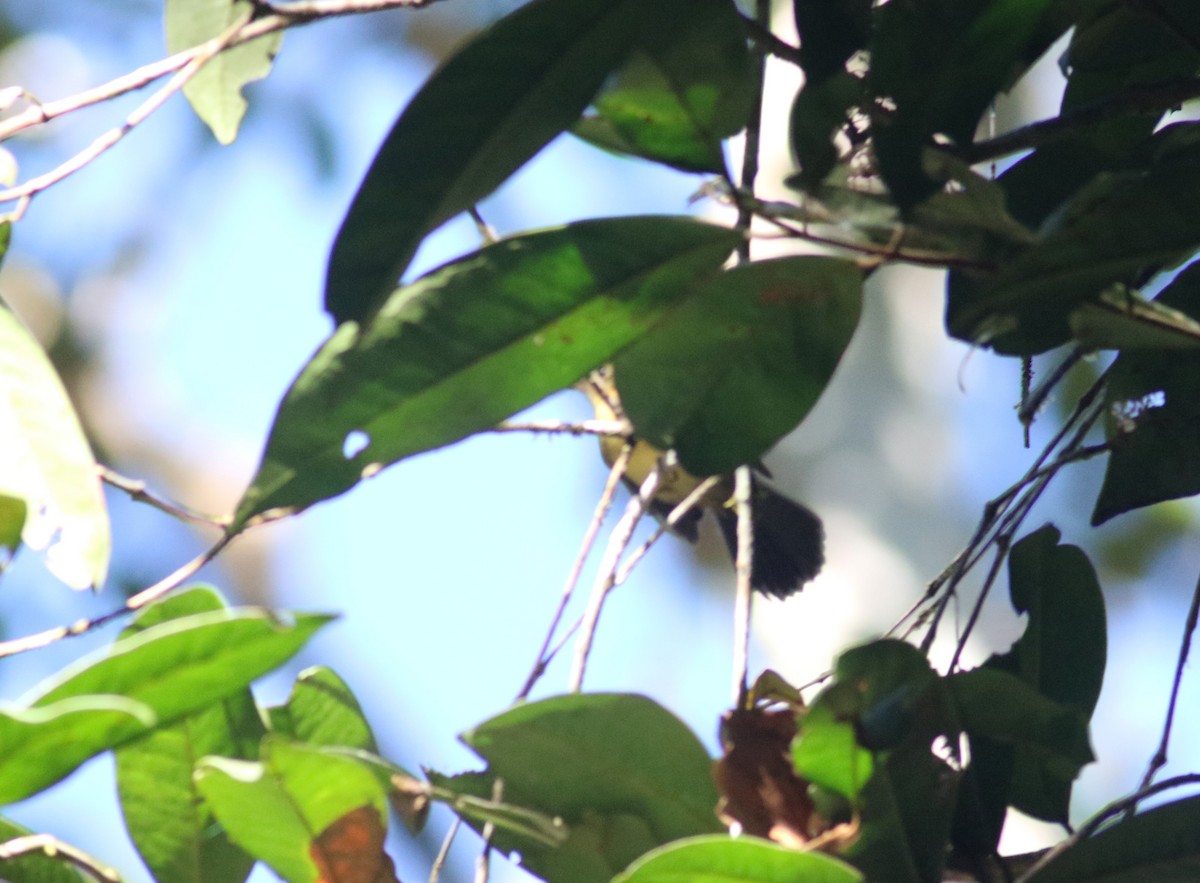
[[606, 574], [141, 599], [55, 848], [589, 538], [184, 65], [136, 489], [743, 566]]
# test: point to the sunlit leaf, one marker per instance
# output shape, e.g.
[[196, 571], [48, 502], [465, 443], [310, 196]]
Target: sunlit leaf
[[45, 461], [472, 343], [215, 93], [150, 679], [720, 859], [290, 808], [164, 813]]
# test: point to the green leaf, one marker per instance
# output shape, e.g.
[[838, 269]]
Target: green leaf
[[472, 343], [1122, 319], [215, 93], [1030, 754], [45, 461], [939, 65], [13, 512], [720, 859], [732, 370], [1004, 708], [826, 750], [820, 111], [689, 84], [642, 117], [907, 805], [1116, 229], [35, 867], [276, 809], [1159, 844], [1152, 418], [494, 105], [624, 775], [148, 680], [322, 710], [831, 31], [168, 821]]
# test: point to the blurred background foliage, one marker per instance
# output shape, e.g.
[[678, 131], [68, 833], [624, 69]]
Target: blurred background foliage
[[177, 286]]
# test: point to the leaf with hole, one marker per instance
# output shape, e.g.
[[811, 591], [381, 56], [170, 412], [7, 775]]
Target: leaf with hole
[[472, 343]]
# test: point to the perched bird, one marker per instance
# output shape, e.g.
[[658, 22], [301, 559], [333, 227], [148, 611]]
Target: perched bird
[[788, 537]]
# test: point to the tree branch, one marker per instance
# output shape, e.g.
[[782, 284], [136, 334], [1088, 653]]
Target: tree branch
[[268, 19], [1158, 97]]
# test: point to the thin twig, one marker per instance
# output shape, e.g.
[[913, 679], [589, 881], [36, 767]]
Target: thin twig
[[743, 598], [606, 574], [141, 599], [577, 427], [483, 865], [1114, 809], [1159, 760], [184, 65], [1157, 97], [204, 54], [762, 15], [998, 512], [686, 505], [589, 538], [439, 861], [767, 42], [136, 489], [1032, 402], [55, 848], [486, 232]]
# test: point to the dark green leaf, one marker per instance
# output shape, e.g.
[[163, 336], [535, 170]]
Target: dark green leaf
[[215, 93], [1026, 750], [623, 774], [1160, 844], [1004, 708], [719, 859], [169, 823], [732, 370], [46, 462], [275, 809], [145, 681], [906, 806], [819, 111], [472, 343], [831, 31], [495, 104], [1119, 227], [938, 65], [1153, 418], [36, 866]]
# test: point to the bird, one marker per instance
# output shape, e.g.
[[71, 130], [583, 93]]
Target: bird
[[789, 538]]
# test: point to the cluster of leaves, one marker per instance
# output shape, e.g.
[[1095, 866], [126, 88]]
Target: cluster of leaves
[[895, 768]]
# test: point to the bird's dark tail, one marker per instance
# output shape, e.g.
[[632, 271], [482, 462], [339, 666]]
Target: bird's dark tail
[[789, 541]]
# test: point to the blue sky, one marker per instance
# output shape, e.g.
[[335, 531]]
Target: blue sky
[[195, 272]]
